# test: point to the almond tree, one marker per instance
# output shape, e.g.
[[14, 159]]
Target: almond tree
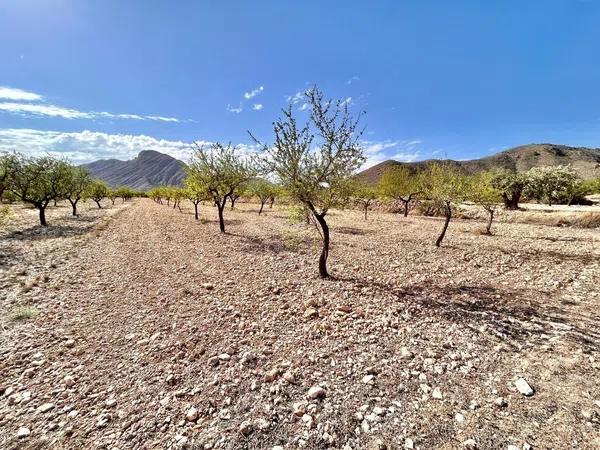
[[4, 160], [446, 187], [314, 161], [399, 184], [262, 189], [483, 193], [195, 192], [364, 195], [97, 191], [550, 183], [37, 180], [222, 171], [511, 185], [77, 182]]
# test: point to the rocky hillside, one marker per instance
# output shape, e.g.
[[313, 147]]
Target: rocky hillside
[[586, 161], [149, 169]]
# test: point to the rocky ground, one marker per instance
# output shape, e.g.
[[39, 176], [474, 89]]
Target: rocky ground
[[138, 327]]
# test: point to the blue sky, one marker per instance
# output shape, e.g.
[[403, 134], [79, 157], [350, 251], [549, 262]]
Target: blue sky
[[462, 79]]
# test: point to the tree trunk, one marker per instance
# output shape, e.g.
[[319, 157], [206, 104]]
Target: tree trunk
[[488, 229], [272, 201], [221, 207], [74, 206], [366, 209], [406, 202], [232, 202], [196, 211], [325, 252], [98, 203], [511, 202], [446, 223], [42, 209], [262, 205], [112, 201]]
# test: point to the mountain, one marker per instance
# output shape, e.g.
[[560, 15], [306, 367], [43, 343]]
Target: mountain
[[586, 161], [149, 169]]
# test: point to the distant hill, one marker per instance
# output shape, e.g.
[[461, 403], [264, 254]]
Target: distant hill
[[586, 161], [149, 169]]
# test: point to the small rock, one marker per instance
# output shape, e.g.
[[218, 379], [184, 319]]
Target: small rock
[[512, 447], [409, 443], [501, 402], [470, 444], [45, 407], [69, 381], [191, 415], [368, 379], [214, 361], [289, 377], [459, 417], [345, 309], [311, 312], [271, 375], [208, 286], [437, 394], [110, 402], [245, 428], [70, 343], [316, 392], [523, 387], [23, 432], [298, 409], [224, 357]]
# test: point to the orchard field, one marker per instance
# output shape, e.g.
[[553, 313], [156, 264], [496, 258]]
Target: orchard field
[[136, 326]]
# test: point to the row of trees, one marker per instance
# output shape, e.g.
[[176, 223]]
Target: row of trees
[[44, 179], [313, 164]]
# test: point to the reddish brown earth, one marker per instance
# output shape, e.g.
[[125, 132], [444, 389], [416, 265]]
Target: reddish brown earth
[[145, 316]]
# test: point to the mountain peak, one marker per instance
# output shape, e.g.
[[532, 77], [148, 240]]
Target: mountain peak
[[149, 169]]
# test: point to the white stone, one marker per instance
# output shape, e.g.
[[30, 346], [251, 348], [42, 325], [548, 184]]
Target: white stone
[[110, 402], [316, 392], [23, 432], [470, 444], [437, 394], [408, 443], [45, 407], [191, 415], [524, 387]]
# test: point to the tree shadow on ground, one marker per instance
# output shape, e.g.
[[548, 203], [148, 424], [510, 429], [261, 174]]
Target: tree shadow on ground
[[512, 315], [352, 231], [39, 232]]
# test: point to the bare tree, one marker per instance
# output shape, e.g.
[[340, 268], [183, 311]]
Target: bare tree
[[314, 161], [222, 171]]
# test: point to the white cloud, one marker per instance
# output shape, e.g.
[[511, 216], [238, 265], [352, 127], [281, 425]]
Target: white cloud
[[47, 110], [379, 151], [40, 108], [232, 109], [296, 98], [86, 146], [347, 101], [8, 93], [353, 79], [304, 107], [257, 107], [254, 92]]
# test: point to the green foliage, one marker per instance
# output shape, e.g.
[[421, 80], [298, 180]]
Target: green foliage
[[552, 184], [222, 172], [364, 195], [77, 181], [398, 183], [125, 192], [510, 184], [37, 180], [97, 190], [5, 213], [444, 185], [483, 192]]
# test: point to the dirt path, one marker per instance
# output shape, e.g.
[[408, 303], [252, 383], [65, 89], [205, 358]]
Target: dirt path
[[160, 332]]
